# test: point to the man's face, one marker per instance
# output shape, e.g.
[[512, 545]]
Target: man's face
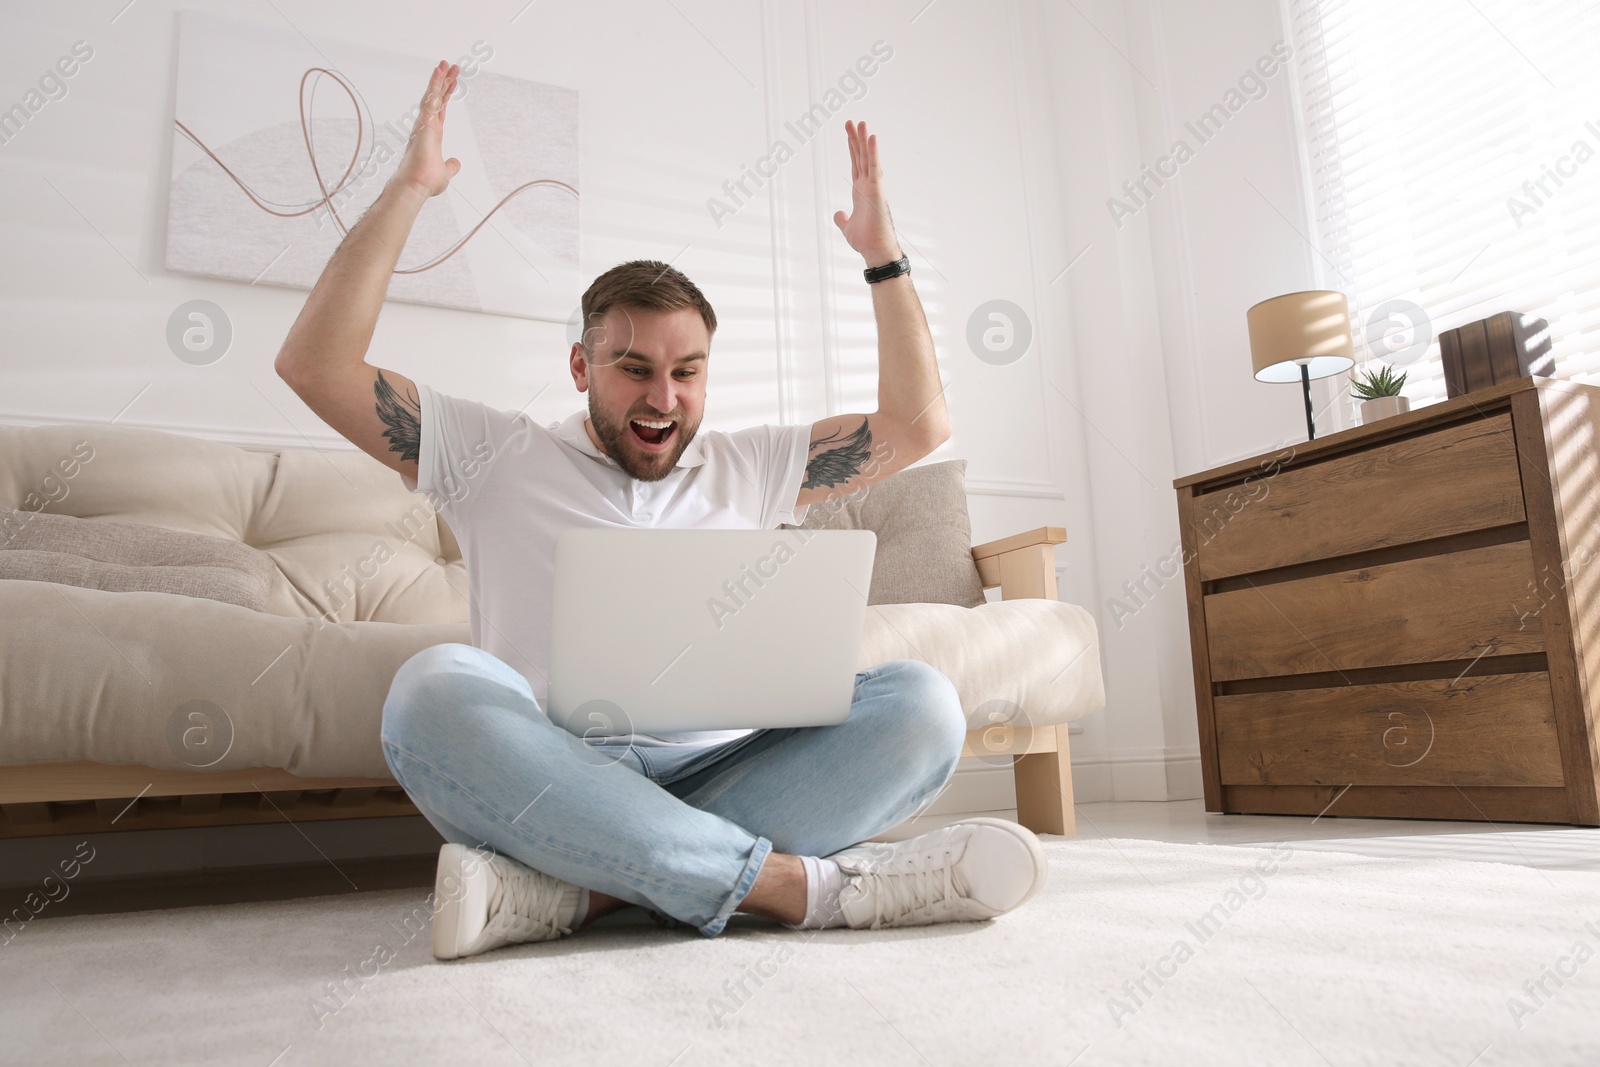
[[648, 365]]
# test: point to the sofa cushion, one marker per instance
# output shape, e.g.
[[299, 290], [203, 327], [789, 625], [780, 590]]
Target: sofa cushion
[[919, 514], [119, 677], [123, 557]]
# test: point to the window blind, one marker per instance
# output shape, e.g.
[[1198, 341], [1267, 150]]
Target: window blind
[[1454, 160]]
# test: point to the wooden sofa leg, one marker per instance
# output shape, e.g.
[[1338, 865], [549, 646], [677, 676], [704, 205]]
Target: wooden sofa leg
[[1044, 789]]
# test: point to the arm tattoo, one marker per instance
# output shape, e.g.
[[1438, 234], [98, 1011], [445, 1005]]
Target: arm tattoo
[[838, 465], [405, 428]]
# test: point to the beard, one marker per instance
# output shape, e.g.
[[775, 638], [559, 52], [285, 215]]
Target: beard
[[619, 443]]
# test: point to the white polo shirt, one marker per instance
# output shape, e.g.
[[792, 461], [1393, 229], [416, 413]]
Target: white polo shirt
[[508, 487]]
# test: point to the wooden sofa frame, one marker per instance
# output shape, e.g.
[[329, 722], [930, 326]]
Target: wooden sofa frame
[[86, 797]]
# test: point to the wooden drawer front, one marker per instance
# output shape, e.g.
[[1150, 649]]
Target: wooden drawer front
[[1449, 607], [1461, 477], [1498, 729]]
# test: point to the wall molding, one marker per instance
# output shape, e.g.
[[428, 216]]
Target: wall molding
[[783, 297], [228, 435], [1179, 217], [831, 373], [1005, 487], [1030, 198]]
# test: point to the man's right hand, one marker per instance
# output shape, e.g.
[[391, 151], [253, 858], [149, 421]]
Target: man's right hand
[[422, 166]]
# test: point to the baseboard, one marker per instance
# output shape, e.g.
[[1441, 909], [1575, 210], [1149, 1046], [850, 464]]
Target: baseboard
[[1148, 775], [1184, 778], [979, 788]]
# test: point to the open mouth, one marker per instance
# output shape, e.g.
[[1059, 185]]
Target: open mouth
[[653, 434]]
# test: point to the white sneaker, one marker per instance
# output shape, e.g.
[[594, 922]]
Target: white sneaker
[[968, 871], [484, 901]]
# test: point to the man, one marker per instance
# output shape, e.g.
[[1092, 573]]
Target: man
[[544, 831]]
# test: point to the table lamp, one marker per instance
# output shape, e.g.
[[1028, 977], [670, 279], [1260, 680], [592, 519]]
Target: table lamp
[[1301, 336]]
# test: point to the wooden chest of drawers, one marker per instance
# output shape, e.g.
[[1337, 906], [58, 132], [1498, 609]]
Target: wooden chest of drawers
[[1403, 619]]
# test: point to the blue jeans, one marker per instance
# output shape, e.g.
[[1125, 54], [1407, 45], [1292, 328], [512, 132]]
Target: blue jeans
[[683, 832]]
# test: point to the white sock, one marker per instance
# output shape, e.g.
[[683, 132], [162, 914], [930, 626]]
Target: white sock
[[576, 898], [824, 882]]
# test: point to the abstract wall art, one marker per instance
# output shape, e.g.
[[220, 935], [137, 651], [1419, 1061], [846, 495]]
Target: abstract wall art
[[281, 141]]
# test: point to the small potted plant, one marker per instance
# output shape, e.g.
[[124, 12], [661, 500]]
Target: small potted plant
[[1379, 393]]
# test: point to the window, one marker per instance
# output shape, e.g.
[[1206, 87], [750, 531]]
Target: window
[[1454, 162]]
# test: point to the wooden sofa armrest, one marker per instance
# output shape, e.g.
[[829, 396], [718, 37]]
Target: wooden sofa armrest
[[1022, 565]]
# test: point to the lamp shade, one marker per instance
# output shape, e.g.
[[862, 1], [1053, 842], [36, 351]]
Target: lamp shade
[[1310, 328]]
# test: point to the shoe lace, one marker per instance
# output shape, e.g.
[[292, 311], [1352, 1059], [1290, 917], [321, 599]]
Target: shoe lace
[[524, 905], [912, 894]]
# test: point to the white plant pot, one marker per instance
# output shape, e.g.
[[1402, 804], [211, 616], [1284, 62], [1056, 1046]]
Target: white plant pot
[[1382, 407]]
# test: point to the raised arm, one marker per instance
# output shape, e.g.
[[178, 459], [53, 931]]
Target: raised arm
[[849, 452], [324, 357]]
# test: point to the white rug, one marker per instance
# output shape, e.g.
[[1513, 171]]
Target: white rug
[[1311, 958]]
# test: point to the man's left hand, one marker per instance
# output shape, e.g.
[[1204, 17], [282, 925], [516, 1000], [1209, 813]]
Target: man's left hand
[[868, 228]]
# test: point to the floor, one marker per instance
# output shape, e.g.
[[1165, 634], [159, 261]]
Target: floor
[[1568, 848], [1437, 985], [1136, 952]]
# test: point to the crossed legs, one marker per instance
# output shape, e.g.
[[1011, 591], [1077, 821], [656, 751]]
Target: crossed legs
[[696, 834]]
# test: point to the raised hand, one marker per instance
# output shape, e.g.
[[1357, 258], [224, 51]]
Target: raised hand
[[868, 228], [422, 165]]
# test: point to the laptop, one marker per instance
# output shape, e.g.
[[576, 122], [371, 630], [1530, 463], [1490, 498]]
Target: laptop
[[661, 631]]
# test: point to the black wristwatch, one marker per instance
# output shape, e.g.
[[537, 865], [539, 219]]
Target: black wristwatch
[[888, 270]]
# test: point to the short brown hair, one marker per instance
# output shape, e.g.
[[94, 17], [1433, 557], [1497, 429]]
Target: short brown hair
[[643, 283]]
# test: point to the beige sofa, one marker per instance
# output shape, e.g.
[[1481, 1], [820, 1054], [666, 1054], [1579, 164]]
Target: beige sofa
[[137, 709]]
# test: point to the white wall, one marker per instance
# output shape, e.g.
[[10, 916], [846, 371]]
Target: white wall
[[1157, 324], [1004, 127]]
